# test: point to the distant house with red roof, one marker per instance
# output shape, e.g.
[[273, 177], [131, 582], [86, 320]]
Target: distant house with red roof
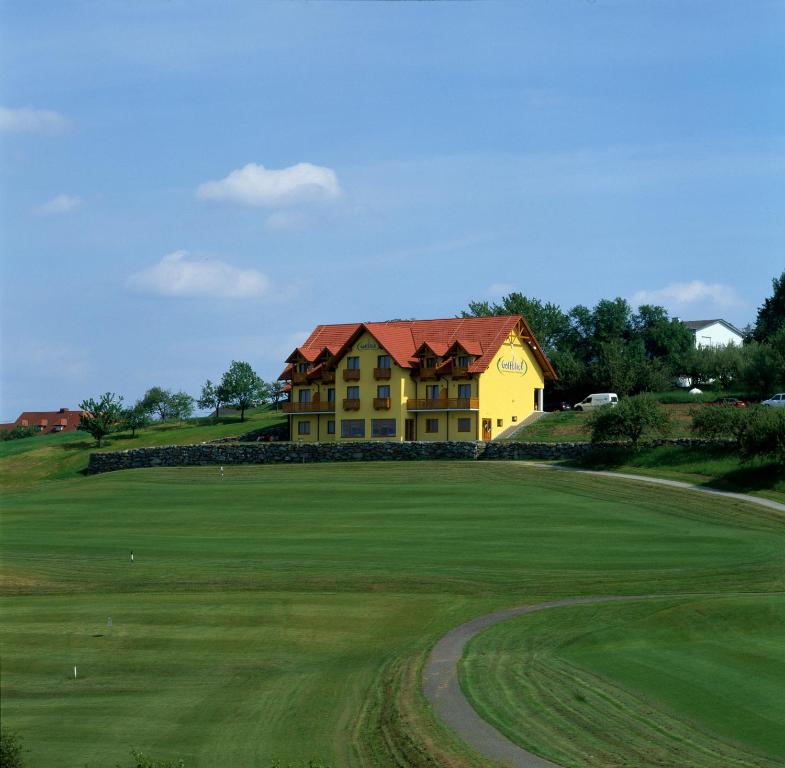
[[453, 379], [47, 422]]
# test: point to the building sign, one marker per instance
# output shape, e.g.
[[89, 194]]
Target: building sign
[[370, 344], [512, 364]]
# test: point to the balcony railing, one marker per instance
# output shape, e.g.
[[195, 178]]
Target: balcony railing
[[351, 374], [313, 407], [460, 372], [328, 377], [350, 404], [299, 377], [427, 373], [381, 374], [382, 403], [444, 404]]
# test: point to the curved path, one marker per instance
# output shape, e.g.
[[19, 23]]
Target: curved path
[[440, 675]]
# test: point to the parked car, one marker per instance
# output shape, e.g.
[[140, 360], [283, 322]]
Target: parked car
[[597, 401], [560, 405], [776, 401], [733, 401]]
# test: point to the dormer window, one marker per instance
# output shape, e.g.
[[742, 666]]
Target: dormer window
[[463, 361], [302, 367], [430, 362]]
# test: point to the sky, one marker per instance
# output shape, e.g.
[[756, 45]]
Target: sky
[[186, 183]]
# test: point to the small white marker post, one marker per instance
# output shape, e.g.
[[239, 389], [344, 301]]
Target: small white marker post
[[74, 673], [222, 473]]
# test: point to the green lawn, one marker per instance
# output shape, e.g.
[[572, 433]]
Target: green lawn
[[285, 611], [697, 681]]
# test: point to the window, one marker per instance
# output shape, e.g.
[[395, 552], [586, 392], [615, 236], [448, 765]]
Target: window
[[353, 363], [352, 393], [499, 422], [432, 392], [465, 390], [383, 361], [432, 425], [331, 427], [331, 395], [464, 425], [303, 427], [463, 361], [383, 390], [302, 367], [430, 362], [382, 427], [304, 395], [352, 427]]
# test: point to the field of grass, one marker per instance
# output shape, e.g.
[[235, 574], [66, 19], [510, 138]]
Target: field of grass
[[57, 456], [694, 682], [285, 611]]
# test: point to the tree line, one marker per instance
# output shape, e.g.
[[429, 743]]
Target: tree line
[[609, 347], [240, 387]]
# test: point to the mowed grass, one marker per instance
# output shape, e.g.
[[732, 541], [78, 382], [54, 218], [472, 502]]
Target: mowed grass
[[697, 681], [284, 611]]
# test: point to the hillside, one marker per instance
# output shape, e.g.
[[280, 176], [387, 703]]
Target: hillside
[[24, 463]]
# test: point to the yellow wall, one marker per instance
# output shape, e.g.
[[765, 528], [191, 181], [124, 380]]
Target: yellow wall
[[507, 387]]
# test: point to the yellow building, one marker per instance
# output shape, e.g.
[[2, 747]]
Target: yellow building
[[454, 379]]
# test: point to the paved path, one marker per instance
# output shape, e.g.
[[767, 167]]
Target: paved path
[[441, 687], [440, 676], [761, 502]]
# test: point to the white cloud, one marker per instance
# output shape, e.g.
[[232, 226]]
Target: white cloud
[[28, 120], [498, 290], [259, 186], [177, 275], [59, 205], [684, 295]]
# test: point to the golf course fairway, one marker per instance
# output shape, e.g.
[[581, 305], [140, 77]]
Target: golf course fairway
[[284, 612]]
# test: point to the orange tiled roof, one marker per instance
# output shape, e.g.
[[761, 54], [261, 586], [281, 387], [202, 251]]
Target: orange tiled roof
[[479, 336]]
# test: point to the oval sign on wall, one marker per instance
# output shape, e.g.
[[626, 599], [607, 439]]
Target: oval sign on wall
[[511, 365], [366, 345]]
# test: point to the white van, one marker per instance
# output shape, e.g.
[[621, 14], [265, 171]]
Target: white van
[[597, 401]]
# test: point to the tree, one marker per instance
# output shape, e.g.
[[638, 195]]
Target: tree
[[101, 417], [771, 315], [548, 323], [211, 397], [181, 406], [135, 418], [157, 400], [762, 368], [763, 434], [632, 419], [242, 387], [277, 391]]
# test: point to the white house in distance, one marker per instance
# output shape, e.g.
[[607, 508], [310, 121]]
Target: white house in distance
[[714, 333]]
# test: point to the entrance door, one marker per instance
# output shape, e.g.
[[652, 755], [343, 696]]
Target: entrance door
[[409, 432], [486, 429]]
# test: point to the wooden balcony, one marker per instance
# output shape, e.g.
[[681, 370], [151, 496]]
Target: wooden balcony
[[328, 377], [351, 374], [427, 373], [350, 404], [382, 403], [460, 372], [444, 404], [299, 377], [313, 407], [382, 374]]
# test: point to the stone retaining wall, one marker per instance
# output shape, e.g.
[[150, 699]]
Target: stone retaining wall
[[283, 453]]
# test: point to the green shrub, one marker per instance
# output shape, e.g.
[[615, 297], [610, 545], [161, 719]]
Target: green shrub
[[632, 419], [142, 761], [763, 434], [10, 750], [724, 421], [17, 433]]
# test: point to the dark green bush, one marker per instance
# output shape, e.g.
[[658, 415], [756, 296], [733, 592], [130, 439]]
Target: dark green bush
[[17, 433], [632, 419], [719, 421], [10, 750], [763, 434]]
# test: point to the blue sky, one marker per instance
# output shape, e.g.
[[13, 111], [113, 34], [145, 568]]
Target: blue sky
[[187, 183]]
